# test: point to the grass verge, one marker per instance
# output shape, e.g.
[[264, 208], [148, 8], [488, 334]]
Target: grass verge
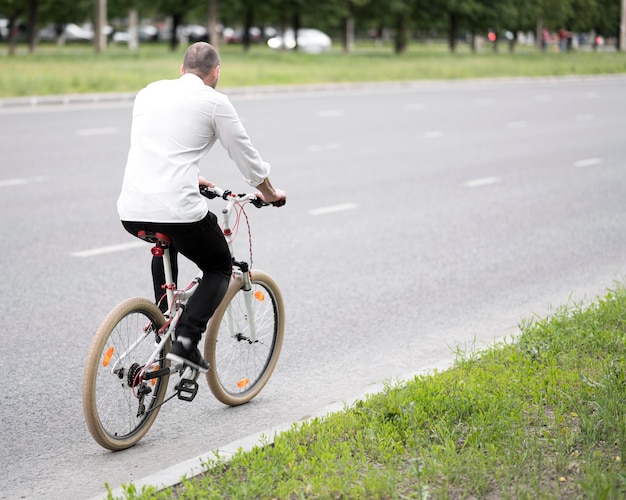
[[76, 69], [543, 417]]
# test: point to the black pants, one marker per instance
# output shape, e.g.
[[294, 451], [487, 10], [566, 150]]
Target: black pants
[[203, 243]]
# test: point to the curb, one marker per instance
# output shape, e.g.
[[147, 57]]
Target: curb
[[104, 98], [172, 475]]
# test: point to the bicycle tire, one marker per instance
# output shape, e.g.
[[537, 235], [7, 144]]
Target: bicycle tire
[[110, 406], [240, 369]]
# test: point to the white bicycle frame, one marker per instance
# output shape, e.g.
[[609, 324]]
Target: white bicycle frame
[[180, 297]]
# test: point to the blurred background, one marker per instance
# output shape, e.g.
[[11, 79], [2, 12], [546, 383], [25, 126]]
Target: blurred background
[[547, 25]]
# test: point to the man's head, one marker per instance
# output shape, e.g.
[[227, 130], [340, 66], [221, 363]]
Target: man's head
[[202, 60]]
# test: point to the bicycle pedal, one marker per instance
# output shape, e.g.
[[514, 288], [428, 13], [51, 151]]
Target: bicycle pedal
[[186, 389]]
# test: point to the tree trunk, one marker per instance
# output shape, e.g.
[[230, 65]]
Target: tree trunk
[[12, 27], [33, 26], [133, 35], [622, 28], [401, 39], [101, 20], [296, 27], [348, 33], [283, 27], [474, 41], [213, 34], [513, 42], [176, 22], [454, 27], [247, 24]]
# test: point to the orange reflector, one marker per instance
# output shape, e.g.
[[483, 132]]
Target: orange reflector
[[259, 295], [107, 356], [243, 382]]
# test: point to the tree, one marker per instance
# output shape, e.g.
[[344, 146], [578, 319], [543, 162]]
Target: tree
[[13, 10]]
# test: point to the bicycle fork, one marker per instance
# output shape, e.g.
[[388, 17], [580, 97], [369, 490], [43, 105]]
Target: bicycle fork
[[241, 272]]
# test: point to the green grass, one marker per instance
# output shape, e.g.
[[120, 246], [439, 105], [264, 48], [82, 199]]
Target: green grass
[[76, 69], [543, 417]]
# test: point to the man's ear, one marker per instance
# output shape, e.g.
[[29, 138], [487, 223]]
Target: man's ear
[[182, 69]]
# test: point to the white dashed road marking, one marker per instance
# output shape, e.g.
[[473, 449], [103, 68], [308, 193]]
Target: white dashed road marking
[[331, 113], [333, 209], [110, 249], [518, 124], [22, 180], [433, 134], [588, 162], [484, 181], [97, 131]]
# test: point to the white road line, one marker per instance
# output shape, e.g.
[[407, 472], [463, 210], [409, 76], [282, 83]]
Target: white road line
[[418, 106], [433, 134], [588, 162], [483, 181], [109, 249], [585, 117], [331, 113], [333, 209], [96, 131], [518, 124], [485, 101], [316, 148], [22, 180]]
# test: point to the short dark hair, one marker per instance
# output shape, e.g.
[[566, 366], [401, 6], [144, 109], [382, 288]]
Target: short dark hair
[[200, 59]]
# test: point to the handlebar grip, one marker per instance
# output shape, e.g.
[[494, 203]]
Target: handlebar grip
[[206, 191], [278, 203]]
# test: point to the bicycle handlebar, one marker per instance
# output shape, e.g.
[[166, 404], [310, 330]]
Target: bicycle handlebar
[[215, 192]]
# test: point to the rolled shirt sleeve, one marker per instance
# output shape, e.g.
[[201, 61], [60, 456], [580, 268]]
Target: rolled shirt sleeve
[[233, 137]]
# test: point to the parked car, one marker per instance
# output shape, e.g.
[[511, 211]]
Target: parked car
[[4, 29], [231, 35], [145, 33], [72, 32], [310, 40]]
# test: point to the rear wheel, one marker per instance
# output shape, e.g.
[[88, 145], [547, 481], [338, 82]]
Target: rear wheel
[[240, 368], [119, 406]]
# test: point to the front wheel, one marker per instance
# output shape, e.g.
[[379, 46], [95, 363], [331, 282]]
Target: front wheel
[[240, 366], [120, 406]]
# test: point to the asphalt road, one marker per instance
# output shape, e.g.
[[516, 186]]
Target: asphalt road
[[422, 219]]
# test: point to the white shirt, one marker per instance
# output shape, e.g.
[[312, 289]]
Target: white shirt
[[175, 124]]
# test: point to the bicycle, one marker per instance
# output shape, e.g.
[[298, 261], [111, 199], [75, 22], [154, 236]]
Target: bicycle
[[126, 376]]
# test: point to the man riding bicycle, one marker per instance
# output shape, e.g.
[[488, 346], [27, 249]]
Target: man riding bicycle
[[175, 124]]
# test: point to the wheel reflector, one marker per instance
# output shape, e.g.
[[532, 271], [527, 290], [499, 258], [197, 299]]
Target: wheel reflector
[[107, 356], [259, 295], [242, 383]]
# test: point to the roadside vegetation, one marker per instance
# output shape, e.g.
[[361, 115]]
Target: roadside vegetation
[[541, 417], [74, 69]]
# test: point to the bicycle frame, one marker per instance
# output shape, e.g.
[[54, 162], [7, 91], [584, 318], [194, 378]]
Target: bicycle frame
[[176, 296]]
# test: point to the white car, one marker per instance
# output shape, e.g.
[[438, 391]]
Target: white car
[[310, 40]]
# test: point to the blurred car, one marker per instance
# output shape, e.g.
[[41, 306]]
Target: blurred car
[[144, 34], [190, 32], [231, 35], [71, 32], [4, 29], [310, 40]]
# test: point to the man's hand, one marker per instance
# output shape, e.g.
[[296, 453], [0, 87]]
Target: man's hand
[[203, 182], [278, 199], [268, 194]]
